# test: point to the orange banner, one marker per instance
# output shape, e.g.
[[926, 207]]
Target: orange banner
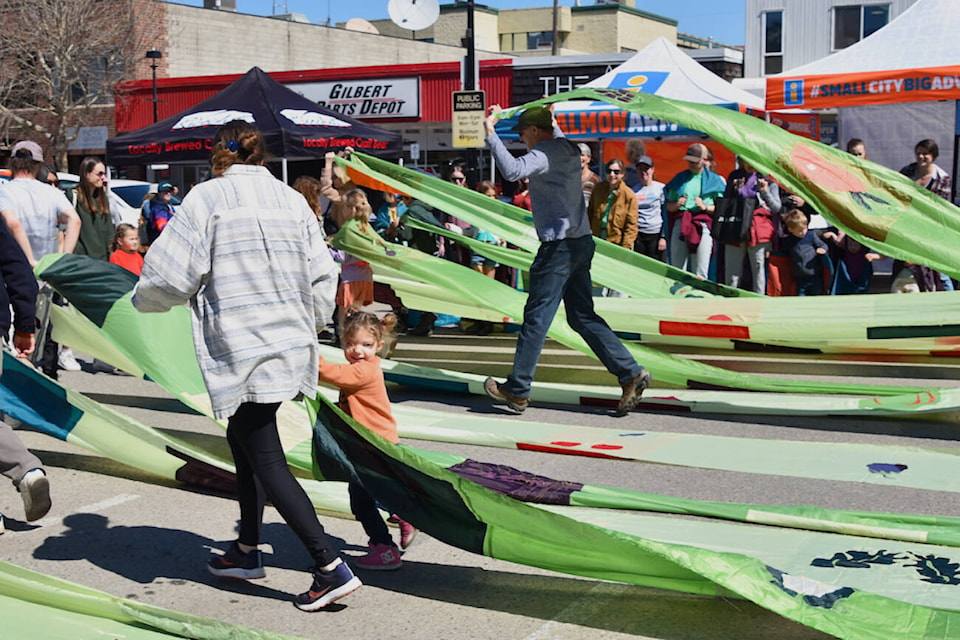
[[870, 87]]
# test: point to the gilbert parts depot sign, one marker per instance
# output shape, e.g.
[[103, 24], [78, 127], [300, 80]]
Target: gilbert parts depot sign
[[388, 98]]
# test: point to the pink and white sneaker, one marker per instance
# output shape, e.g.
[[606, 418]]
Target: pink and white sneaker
[[407, 533], [382, 557]]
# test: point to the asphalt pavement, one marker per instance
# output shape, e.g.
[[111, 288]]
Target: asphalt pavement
[[130, 534]]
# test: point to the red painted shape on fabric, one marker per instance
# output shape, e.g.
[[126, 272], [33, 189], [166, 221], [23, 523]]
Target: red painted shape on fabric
[[570, 452], [703, 330], [560, 443], [611, 447]]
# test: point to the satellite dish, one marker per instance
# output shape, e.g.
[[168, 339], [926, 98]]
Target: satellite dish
[[361, 25], [414, 15]]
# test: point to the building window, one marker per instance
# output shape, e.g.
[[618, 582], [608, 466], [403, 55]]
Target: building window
[[539, 40], [512, 41], [853, 23], [529, 41], [772, 42]]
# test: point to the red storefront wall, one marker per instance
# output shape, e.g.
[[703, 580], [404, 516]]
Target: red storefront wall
[[134, 104]]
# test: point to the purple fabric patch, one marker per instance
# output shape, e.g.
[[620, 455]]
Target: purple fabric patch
[[519, 485], [886, 467]]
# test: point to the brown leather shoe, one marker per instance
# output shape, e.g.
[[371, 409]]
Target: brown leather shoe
[[496, 391], [632, 391]]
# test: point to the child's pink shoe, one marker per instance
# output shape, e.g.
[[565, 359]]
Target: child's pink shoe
[[382, 557]]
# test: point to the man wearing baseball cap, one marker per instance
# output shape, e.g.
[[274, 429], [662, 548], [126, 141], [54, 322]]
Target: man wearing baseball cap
[[32, 211], [561, 268], [691, 198], [159, 210]]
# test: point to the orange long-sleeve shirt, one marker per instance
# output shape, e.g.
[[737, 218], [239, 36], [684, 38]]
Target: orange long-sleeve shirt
[[363, 394]]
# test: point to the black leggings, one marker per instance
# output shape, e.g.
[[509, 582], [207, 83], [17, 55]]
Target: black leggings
[[262, 473]]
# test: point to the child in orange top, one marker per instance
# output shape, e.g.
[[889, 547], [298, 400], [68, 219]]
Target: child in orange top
[[363, 395], [126, 248]]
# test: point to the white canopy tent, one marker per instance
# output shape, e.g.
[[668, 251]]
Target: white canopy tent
[[664, 70], [892, 89], [660, 68]]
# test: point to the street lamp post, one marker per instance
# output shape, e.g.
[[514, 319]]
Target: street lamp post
[[153, 55], [471, 83]]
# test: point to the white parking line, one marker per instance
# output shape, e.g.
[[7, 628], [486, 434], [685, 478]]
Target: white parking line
[[96, 507]]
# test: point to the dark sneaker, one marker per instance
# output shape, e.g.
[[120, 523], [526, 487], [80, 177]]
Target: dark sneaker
[[496, 391], [424, 328], [327, 587], [237, 564], [632, 391], [35, 490]]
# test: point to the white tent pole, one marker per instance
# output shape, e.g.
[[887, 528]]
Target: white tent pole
[[283, 164]]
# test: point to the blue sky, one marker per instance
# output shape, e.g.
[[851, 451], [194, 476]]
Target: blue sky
[[723, 20]]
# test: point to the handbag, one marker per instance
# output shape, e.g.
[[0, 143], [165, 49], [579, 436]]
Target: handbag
[[732, 218]]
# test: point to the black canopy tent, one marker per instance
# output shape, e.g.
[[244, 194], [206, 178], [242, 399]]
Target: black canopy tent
[[293, 127]]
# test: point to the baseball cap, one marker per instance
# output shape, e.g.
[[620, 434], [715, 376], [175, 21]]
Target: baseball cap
[[535, 117], [27, 149], [695, 152], [644, 160], [164, 186]]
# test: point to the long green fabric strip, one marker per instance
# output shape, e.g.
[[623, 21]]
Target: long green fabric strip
[[858, 323], [813, 578], [878, 206], [41, 607], [869, 325], [667, 369], [516, 225]]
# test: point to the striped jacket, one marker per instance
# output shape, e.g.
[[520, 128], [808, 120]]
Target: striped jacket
[[248, 255]]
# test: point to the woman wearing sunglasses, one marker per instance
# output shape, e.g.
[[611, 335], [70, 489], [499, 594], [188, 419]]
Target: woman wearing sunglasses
[[613, 213], [613, 208], [89, 198]]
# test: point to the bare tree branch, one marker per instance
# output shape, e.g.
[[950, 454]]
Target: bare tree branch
[[61, 59]]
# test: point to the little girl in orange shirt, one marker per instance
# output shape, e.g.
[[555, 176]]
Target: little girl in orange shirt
[[363, 396], [126, 248]]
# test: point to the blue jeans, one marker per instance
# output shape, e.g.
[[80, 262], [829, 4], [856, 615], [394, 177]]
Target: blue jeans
[[561, 271], [812, 286]]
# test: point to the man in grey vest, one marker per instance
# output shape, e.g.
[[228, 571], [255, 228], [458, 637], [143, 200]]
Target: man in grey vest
[[561, 269]]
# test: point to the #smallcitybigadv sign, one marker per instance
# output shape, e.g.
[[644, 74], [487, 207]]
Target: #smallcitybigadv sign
[[363, 99], [469, 112]]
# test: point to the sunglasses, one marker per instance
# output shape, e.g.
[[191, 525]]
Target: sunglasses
[[100, 174], [458, 179], [615, 171]]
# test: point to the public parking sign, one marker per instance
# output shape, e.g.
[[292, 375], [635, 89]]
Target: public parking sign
[[469, 112]]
